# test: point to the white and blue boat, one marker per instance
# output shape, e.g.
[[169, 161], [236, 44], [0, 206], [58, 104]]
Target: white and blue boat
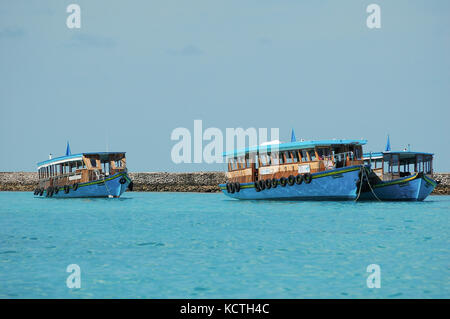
[[101, 174], [398, 176], [298, 170]]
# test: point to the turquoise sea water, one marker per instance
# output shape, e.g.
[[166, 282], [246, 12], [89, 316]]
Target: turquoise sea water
[[187, 245]]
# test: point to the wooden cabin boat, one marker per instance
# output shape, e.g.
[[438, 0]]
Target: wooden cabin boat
[[299, 170], [398, 176], [102, 174]]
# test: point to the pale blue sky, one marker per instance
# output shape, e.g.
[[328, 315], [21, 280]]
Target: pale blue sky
[[138, 69]]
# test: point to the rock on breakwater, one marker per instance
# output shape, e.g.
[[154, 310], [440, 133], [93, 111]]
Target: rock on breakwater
[[167, 182], [443, 188]]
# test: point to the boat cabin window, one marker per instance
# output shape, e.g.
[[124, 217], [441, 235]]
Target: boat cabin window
[[359, 152], [252, 160], [232, 167], [263, 159], [275, 158], [387, 166], [378, 163], [106, 166], [78, 165], [419, 166], [428, 165], [404, 168], [236, 163], [355, 152], [395, 164], [295, 156], [288, 157], [312, 155], [304, 156], [118, 163], [323, 153], [280, 158], [241, 162]]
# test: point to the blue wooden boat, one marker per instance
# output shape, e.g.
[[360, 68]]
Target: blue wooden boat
[[398, 176], [102, 174], [299, 170]]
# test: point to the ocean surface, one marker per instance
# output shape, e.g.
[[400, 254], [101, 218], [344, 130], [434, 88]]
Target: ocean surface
[[189, 245]]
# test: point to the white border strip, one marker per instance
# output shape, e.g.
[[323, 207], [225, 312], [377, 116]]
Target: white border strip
[[61, 161]]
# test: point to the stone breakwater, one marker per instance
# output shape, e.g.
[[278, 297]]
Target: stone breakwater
[[205, 182], [18, 181]]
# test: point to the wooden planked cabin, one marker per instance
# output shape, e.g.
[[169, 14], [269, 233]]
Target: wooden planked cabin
[[394, 165], [80, 168], [285, 159]]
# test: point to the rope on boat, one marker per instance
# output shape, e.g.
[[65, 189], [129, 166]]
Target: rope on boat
[[370, 186], [363, 174], [360, 184]]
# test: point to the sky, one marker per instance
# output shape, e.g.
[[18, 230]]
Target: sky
[[136, 70]]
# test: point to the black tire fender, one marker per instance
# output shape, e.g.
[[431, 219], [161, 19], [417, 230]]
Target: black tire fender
[[307, 177], [262, 185], [291, 180], [274, 182]]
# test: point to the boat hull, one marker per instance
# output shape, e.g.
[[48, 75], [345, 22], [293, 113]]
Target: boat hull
[[108, 187], [411, 188], [337, 184]]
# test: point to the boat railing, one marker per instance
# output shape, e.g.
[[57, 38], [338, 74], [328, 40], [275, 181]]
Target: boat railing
[[59, 176], [343, 156]]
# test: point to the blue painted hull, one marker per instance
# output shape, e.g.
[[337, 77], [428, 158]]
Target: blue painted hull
[[410, 188], [100, 188], [337, 184]]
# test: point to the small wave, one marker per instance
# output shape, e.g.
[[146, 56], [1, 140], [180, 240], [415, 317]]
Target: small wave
[[151, 244], [8, 252]]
